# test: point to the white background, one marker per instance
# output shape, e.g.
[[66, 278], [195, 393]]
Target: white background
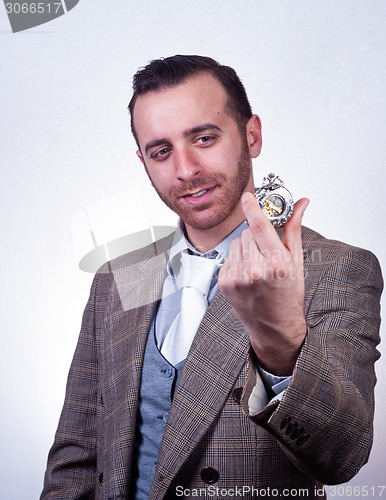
[[315, 73]]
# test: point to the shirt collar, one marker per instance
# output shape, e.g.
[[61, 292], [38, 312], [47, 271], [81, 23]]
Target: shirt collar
[[181, 244]]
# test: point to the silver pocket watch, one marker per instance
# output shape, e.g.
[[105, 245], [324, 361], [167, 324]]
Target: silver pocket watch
[[275, 200]]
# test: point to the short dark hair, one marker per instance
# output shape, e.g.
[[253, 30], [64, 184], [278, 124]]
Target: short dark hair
[[167, 72]]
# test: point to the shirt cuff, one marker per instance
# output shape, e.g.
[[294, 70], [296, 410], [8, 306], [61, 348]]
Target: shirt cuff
[[266, 382], [273, 382]]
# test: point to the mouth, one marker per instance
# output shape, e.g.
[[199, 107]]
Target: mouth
[[202, 195], [197, 195]]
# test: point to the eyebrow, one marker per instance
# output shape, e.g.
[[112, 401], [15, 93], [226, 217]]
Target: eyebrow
[[187, 133], [202, 128]]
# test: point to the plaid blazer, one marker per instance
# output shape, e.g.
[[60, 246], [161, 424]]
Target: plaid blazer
[[320, 432]]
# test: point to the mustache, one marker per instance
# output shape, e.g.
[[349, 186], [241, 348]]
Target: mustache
[[198, 184]]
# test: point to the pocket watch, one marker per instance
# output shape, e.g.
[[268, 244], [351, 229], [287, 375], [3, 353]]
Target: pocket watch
[[275, 200]]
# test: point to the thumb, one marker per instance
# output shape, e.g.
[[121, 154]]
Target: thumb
[[292, 229]]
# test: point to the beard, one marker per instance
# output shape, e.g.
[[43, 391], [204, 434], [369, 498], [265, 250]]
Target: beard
[[209, 215]]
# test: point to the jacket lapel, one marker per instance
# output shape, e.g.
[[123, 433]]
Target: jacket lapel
[[217, 355], [135, 291]]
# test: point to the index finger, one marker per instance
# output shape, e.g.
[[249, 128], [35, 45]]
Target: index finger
[[263, 232]]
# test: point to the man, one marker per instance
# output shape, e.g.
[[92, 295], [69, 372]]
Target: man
[[271, 393]]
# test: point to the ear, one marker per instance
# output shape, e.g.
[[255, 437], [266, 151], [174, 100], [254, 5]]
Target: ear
[[139, 154], [254, 137]]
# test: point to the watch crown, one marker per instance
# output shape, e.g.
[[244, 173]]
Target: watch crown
[[272, 181]]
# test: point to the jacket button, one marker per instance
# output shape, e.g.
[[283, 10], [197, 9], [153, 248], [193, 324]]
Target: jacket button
[[209, 475], [100, 478], [297, 432], [236, 394], [302, 439], [285, 422], [291, 428]]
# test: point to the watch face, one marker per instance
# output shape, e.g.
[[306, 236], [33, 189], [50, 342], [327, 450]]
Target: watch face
[[275, 200], [273, 205]]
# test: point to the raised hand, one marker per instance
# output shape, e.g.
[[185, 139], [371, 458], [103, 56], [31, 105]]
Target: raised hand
[[263, 280]]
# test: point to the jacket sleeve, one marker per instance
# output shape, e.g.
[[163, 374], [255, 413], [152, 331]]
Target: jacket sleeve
[[71, 469], [324, 422]]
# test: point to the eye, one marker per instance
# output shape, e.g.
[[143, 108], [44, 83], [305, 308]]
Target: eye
[[205, 139], [161, 154]]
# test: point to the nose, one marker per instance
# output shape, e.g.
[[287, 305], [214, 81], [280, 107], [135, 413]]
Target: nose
[[186, 164]]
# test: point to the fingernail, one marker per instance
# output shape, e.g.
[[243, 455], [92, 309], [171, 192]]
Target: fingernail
[[305, 208], [245, 197]]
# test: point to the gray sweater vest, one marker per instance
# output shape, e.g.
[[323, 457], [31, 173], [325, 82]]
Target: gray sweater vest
[[159, 379]]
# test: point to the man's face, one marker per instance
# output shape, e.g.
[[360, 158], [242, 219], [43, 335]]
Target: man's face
[[193, 152]]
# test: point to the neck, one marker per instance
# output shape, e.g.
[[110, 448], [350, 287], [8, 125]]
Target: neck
[[204, 240]]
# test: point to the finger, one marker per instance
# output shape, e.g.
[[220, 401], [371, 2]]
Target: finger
[[234, 255], [263, 232], [292, 237], [249, 249], [231, 267]]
